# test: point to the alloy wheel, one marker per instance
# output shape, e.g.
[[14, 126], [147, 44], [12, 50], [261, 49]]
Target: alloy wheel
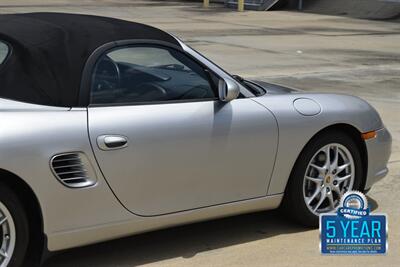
[[7, 235], [329, 174]]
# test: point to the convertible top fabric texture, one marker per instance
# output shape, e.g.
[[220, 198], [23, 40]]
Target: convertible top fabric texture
[[49, 52]]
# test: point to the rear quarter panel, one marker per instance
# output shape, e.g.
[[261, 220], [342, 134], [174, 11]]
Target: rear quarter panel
[[29, 136]]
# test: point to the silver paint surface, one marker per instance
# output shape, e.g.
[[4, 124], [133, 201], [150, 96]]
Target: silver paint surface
[[183, 156], [199, 160]]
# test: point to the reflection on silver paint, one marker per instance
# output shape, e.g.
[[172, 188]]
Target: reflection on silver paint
[[186, 155], [103, 232]]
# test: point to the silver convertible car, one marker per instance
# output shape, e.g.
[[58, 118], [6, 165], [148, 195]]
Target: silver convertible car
[[111, 128]]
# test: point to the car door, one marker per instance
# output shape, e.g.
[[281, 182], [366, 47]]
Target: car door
[[163, 140]]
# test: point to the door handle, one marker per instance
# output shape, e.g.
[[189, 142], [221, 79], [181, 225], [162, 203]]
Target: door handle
[[111, 142]]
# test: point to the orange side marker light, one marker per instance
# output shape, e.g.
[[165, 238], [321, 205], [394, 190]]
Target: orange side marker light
[[368, 135]]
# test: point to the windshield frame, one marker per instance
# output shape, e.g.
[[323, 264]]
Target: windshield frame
[[215, 68]]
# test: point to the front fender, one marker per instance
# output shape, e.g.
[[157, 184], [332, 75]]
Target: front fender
[[296, 130]]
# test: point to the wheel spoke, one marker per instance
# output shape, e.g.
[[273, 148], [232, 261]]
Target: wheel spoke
[[310, 199], [3, 220], [320, 169], [337, 190], [315, 180], [3, 253], [327, 152], [331, 202], [342, 179], [342, 167], [336, 158], [323, 196]]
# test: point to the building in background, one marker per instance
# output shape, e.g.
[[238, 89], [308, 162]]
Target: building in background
[[369, 9]]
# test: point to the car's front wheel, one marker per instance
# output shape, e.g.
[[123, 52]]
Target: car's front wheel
[[329, 166], [14, 234]]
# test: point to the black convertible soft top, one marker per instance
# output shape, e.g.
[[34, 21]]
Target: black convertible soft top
[[49, 52]]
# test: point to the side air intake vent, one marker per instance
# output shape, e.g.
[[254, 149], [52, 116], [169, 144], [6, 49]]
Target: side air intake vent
[[73, 170]]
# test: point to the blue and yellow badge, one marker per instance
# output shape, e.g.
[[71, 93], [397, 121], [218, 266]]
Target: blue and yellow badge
[[353, 229]]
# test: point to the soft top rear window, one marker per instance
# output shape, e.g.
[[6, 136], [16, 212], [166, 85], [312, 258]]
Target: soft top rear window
[[3, 52]]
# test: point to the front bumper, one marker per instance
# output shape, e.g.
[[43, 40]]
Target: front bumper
[[378, 149]]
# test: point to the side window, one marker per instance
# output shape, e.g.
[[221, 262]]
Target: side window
[[3, 52], [149, 74]]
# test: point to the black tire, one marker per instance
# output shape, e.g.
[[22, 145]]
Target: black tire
[[293, 203], [9, 199]]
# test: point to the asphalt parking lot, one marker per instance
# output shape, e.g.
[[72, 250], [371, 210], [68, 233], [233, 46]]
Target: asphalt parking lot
[[308, 51]]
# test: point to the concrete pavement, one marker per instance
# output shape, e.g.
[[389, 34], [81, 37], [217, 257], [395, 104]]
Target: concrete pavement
[[308, 51]]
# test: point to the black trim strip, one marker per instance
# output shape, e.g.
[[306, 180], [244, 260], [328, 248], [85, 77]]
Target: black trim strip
[[154, 102]]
